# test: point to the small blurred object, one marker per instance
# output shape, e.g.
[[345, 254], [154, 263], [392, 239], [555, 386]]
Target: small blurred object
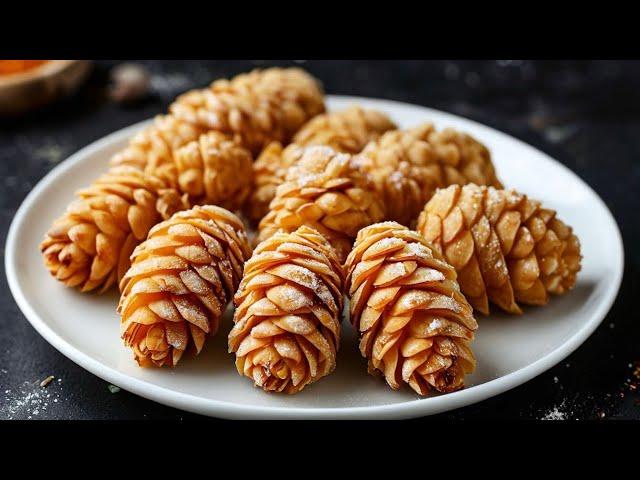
[[29, 84], [130, 83]]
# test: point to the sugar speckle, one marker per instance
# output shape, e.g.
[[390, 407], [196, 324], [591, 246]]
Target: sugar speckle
[[435, 324], [556, 413], [28, 400]]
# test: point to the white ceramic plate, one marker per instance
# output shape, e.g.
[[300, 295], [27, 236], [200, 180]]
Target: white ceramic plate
[[510, 350]]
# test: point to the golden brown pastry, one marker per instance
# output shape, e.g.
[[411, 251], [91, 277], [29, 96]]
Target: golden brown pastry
[[345, 131], [506, 248], [408, 165], [152, 149], [288, 307], [89, 246], [258, 107], [325, 191], [415, 325], [215, 170], [181, 279]]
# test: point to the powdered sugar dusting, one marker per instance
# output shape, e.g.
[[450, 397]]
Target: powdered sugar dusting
[[29, 400], [320, 289], [323, 150], [395, 270], [390, 224], [307, 179], [385, 243], [417, 249], [294, 297], [435, 325], [556, 413]]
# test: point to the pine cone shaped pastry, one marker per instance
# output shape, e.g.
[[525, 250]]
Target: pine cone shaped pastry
[[325, 191], [258, 108], [89, 246], [415, 325], [180, 281], [506, 248], [288, 307], [298, 94], [152, 149], [408, 166], [215, 169], [345, 131]]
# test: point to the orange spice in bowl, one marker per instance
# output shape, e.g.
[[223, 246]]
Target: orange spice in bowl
[[28, 84], [9, 67]]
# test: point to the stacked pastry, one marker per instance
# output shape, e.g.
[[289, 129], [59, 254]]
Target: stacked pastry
[[346, 131], [335, 196], [411, 293], [199, 154]]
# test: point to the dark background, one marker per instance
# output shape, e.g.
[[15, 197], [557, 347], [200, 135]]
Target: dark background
[[586, 114]]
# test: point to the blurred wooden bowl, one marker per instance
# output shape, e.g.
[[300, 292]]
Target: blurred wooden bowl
[[24, 91]]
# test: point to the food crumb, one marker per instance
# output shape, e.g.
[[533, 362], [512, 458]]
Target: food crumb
[[113, 389], [47, 381]]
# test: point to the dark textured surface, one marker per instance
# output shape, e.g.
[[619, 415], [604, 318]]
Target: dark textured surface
[[585, 114]]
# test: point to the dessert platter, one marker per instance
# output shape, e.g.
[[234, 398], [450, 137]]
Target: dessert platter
[[265, 251]]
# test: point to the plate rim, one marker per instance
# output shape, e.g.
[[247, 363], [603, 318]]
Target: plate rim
[[226, 409]]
